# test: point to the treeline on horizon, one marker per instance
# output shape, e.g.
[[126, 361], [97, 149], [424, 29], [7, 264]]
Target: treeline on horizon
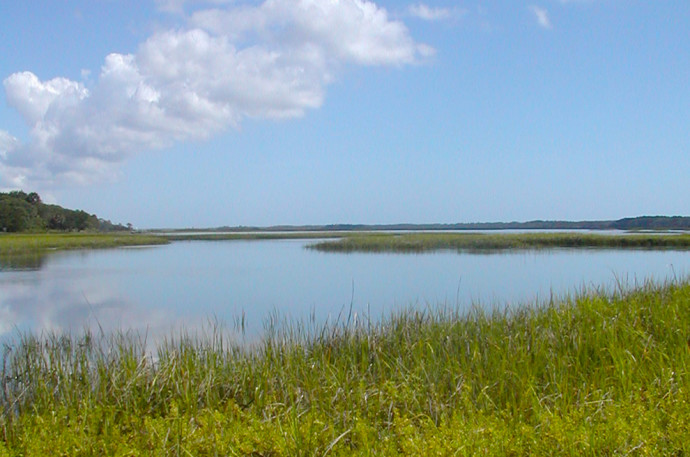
[[628, 223], [26, 212], [22, 212]]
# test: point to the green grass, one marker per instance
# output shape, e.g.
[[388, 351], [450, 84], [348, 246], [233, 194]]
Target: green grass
[[424, 242], [31, 243], [597, 374]]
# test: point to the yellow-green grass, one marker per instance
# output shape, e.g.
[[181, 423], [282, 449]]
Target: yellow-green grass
[[26, 243], [596, 374], [424, 242]]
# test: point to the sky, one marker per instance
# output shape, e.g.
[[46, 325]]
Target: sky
[[193, 113]]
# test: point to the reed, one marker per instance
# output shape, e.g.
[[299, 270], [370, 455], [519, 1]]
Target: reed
[[594, 374]]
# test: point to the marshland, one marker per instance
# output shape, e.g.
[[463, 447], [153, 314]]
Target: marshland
[[345, 344]]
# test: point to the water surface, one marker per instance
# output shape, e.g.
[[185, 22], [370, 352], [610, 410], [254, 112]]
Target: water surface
[[185, 284]]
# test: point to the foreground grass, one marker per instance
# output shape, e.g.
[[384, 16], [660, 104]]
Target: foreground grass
[[27, 243], [424, 242], [598, 374]]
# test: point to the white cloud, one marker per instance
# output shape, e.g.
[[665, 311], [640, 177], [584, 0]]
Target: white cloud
[[11, 177], [272, 60], [32, 98], [349, 31], [542, 16], [428, 13]]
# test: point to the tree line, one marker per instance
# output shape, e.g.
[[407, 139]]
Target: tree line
[[25, 212]]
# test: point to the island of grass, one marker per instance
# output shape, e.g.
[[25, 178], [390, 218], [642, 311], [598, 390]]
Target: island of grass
[[482, 242], [597, 374]]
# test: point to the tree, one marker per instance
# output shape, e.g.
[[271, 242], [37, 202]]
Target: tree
[[18, 194], [56, 222], [20, 211], [33, 198], [13, 217]]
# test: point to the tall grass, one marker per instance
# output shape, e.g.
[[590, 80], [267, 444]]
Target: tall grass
[[596, 374], [423, 242], [29, 243]]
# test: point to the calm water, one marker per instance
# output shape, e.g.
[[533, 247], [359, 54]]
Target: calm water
[[160, 289]]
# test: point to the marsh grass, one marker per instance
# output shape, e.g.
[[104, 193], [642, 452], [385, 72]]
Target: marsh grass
[[27, 244], [483, 242], [597, 374]]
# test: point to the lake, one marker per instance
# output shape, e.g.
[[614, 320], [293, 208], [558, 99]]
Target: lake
[[162, 289]]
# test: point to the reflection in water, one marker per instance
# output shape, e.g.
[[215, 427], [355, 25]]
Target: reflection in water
[[18, 262], [84, 305], [156, 291], [56, 306], [55, 294]]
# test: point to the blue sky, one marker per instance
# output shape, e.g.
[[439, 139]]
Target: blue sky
[[180, 113]]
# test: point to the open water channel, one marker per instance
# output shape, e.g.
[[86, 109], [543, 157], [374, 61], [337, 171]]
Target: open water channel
[[185, 285]]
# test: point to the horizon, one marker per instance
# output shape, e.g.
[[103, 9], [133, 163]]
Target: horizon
[[211, 113], [332, 226]]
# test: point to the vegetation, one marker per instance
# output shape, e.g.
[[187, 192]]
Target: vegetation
[[22, 212], [22, 244], [652, 223], [424, 242], [655, 223], [29, 228], [598, 374]]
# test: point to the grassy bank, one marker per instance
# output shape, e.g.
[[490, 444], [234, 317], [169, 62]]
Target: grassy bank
[[425, 242], [27, 243], [594, 375]]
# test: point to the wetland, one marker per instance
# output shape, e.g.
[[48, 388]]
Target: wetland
[[277, 346]]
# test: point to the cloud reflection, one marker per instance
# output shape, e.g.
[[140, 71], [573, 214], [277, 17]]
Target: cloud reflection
[[41, 305]]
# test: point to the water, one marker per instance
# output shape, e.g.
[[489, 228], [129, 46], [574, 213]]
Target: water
[[159, 290]]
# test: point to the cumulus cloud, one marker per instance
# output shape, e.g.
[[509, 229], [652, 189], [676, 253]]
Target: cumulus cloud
[[423, 11], [542, 16], [350, 31], [269, 61]]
